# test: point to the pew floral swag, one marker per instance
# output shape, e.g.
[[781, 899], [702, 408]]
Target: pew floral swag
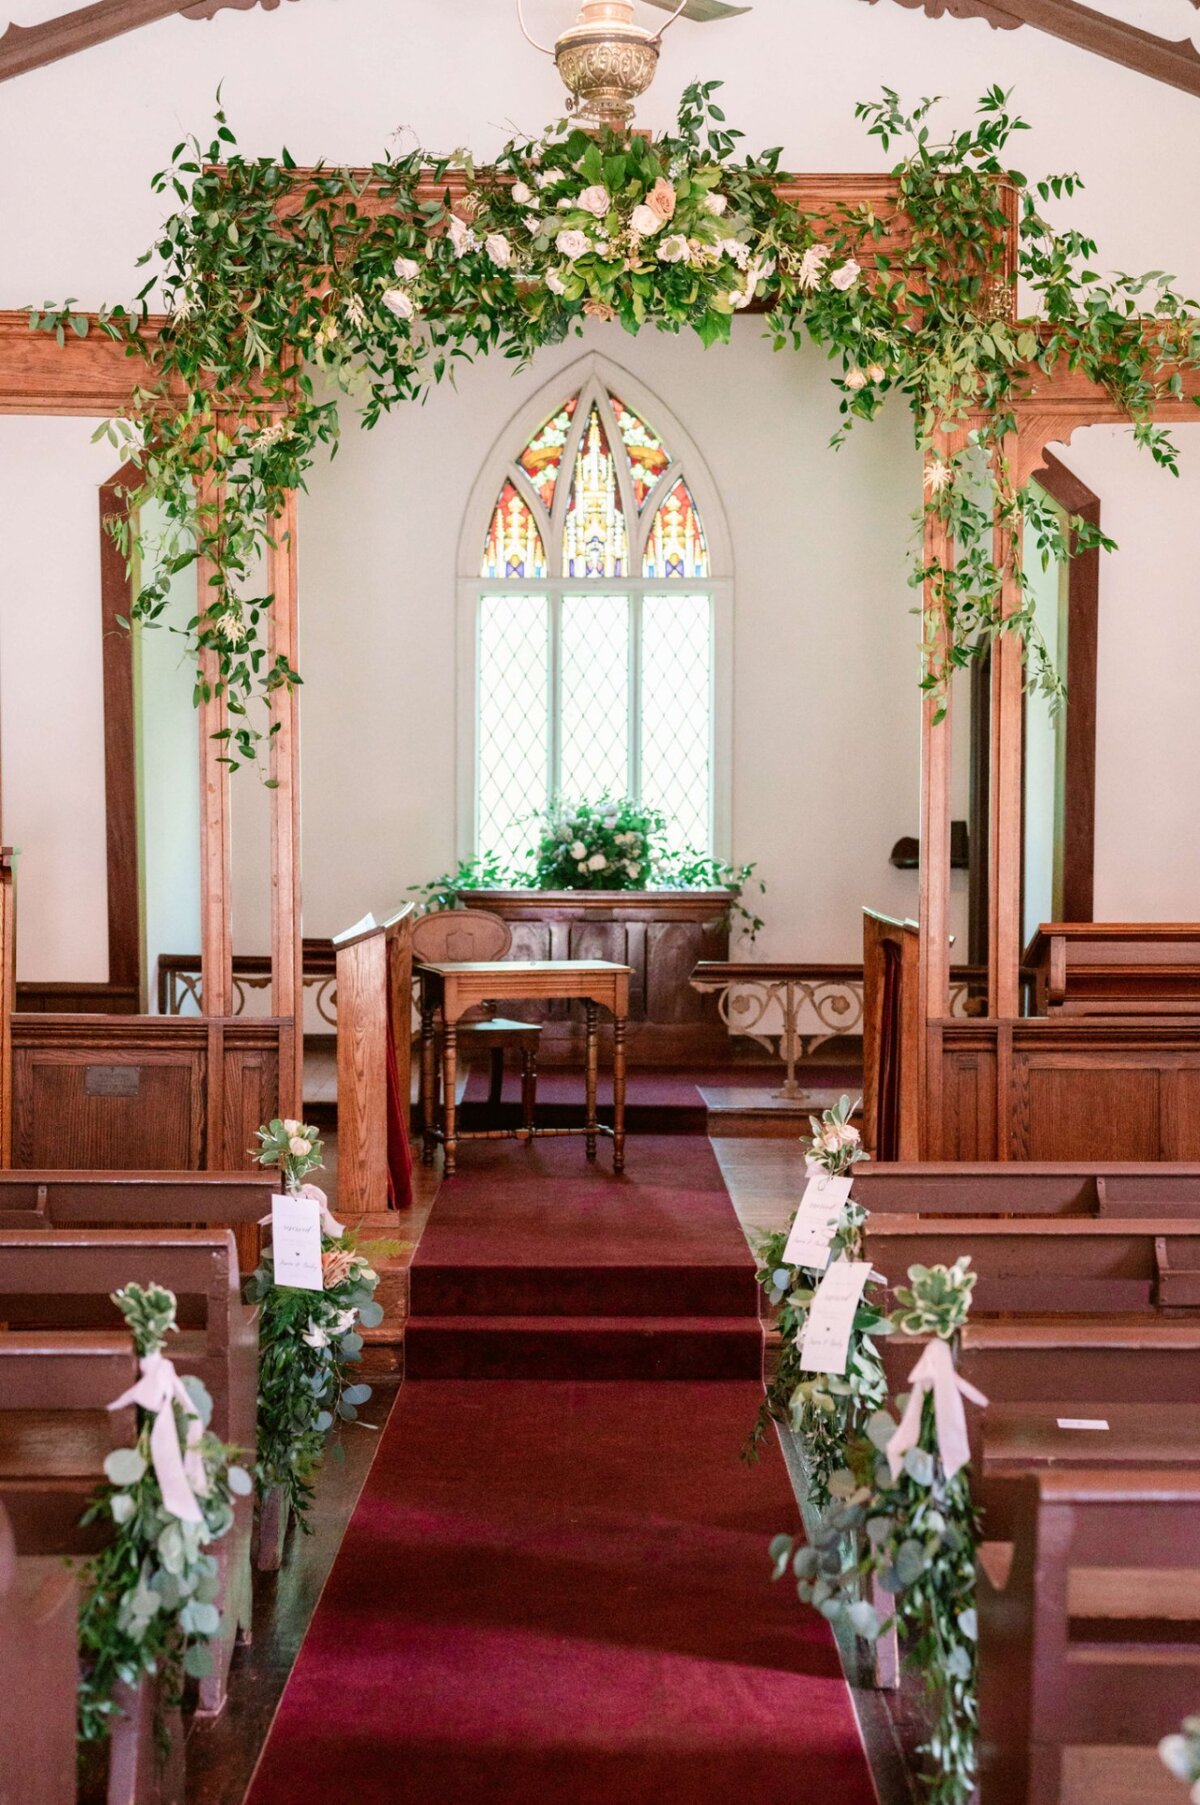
[[274, 309], [151, 1596], [1181, 1754], [826, 1411], [914, 1534], [309, 1340]]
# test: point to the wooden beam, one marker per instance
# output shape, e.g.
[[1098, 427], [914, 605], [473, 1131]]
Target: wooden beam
[[120, 760], [1177, 64], [27, 47], [287, 961], [1006, 815]]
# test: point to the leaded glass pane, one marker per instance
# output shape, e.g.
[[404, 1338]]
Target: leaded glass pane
[[648, 456], [514, 723], [676, 546], [596, 541], [514, 545], [595, 697], [542, 458], [677, 715]]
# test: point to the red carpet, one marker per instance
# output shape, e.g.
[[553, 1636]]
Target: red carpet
[[536, 1264], [557, 1594]]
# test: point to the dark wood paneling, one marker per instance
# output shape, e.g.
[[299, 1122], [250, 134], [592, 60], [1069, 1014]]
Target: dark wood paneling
[[1073, 1106]]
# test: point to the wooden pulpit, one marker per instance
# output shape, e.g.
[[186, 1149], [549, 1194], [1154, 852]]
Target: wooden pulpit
[[374, 1061], [891, 1037]]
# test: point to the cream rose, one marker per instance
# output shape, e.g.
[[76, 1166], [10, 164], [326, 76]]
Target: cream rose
[[645, 221], [579, 850], [597, 862], [299, 1147], [498, 249], [397, 302], [876, 372], [596, 200], [846, 276], [522, 193], [716, 204], [674, 249], [461, 236], [662, 199], [856, 379], [407, 268], [555, 283], [572, 244], [292, 1127]]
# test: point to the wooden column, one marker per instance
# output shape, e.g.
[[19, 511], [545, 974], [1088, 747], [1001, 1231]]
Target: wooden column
[[936, 742], [216, 934], [287, 960], [8, 993], [1007, 737]]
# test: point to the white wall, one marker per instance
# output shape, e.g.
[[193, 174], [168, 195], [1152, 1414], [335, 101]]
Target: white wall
[[825, 673]]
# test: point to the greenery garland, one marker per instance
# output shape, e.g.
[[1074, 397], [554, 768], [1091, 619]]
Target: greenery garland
[[308, 1340], [151, 1595], [917, 1536], [825, 1410], [278, 290]]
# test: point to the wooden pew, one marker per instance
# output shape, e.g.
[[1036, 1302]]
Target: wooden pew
[[55, 1431], [1111, 968], [39, 1664], [1081, 1364], [1020, 1188], [149, 1200], [1068, 1263], [1089, 1633], [62, 1281]]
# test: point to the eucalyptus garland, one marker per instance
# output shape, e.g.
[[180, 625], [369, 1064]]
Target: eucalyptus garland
[[280, 287], [152, 1595], [1181, 1755]]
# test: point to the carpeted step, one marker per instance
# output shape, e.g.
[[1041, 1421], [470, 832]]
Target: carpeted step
[[616, 1288], [583, 1347]]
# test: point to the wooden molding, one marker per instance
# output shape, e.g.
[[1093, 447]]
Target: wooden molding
[[27, 47], [1177, 64]]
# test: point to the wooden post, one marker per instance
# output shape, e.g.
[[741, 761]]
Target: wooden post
[[8, 995], [374, 981], [216, 937], [1008, 726], [287, 951]]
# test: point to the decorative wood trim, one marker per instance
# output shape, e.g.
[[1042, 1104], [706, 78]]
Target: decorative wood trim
[[27, 47], [120, 773], [1177, 64]]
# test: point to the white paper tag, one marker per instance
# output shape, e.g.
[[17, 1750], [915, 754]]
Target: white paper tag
[[816, 1219], [296, 1243], [831, 1317], [1082, 1422]]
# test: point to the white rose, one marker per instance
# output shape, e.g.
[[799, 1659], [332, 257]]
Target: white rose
[[292, 1127], [596, 200], [579, 850], [715, 204], [555, 283], [397, 302], [407, 268], [498, 249], [299, 1146], [846, 276], [597, 862], [547, 178], [572, 244], [533, 224], [631, 866], [645, 221], [522, 193], [461, 236], [876, 372], [740, 297], [673, 249], [582, 865], [856, 379]]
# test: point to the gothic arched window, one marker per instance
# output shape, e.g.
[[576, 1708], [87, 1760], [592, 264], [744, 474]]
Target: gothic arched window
[[595, 623]]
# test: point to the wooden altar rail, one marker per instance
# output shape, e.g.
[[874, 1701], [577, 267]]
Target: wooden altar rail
[[374, 979], [179, 979], [1117, 967]]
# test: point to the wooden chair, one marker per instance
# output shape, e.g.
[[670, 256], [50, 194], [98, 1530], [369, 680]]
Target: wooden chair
[[468, 936]]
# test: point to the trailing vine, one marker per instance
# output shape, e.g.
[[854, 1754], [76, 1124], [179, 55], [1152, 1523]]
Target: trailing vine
[[285, 290]]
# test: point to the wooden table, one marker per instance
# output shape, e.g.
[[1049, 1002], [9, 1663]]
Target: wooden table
[[452, 988]]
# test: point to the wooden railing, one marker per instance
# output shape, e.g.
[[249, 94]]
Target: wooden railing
[[179, 980]]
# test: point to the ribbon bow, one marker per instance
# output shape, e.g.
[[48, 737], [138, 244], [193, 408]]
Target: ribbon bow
[[935, 1372], [181, 1476], [329, 1223]]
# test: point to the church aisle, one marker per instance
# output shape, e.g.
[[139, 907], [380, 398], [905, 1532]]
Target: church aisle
[[555, 1583]]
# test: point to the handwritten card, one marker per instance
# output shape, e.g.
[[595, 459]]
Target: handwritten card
[[831, 1317], [296, 1243], [816, 1220], [1082, 1422]]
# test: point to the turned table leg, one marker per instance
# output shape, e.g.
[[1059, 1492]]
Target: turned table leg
[[592, 1073], [428, 1085], [619, 1094], [528, 1091], [449, 1094]]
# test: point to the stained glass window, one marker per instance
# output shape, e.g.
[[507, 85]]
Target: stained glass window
[[648, 456], [514, 545], [542, 458], [596, 542], [514, 719], [675, 546]]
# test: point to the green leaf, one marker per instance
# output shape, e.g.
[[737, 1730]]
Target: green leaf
[[124, 1466]]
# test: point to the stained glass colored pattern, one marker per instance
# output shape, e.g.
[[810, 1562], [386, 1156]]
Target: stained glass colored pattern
[[648, 456], [542, 458], [596, 539], [675, 545], [514, 545]]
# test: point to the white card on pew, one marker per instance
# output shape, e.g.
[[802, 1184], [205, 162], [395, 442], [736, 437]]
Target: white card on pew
[[296, 1243], [1082, 1422], [831, 1317], [816, 1219]]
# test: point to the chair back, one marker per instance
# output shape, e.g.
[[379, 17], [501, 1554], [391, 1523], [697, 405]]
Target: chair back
[[460, 936]]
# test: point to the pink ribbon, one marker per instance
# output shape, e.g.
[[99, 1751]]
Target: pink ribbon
[[180, 1474], [935, 1372]]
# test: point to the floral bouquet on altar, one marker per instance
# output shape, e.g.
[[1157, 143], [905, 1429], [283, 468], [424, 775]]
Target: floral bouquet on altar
[[599, 846]]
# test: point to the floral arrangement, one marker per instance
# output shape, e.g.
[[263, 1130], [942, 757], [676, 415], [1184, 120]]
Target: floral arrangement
[[273, 309], [915, 1528], [151, 1596], [602, 845], [308, 1340], [1181, 1754], [827, 1411]]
